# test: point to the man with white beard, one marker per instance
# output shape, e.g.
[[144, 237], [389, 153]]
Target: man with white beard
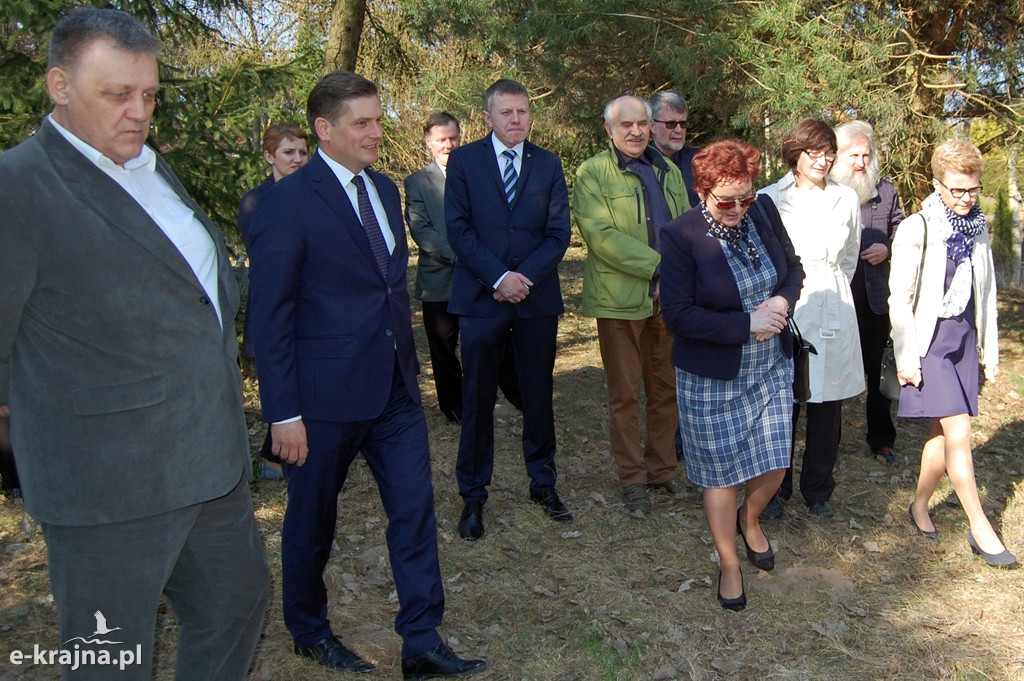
[[857, 167]]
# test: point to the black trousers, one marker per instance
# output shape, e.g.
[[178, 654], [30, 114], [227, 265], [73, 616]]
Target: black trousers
[[874, 332], [442, 329], [8, 471], [824, 428]]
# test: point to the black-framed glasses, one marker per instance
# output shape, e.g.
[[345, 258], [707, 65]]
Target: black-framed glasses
[[742, 202], [816, 156], [959, 192], [672, 125]]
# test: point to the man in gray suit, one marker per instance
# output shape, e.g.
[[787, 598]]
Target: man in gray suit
[[118, 370], [424, 211]]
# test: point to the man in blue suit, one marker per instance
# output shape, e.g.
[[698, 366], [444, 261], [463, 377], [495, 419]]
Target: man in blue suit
[[337, 370], [507, 213]]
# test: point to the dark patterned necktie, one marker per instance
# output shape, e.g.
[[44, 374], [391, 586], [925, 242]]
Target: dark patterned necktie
[[509, 177], [372, 227]]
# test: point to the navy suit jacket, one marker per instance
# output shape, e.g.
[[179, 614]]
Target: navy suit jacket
[[700, 299], [491, 237], [326, 324]]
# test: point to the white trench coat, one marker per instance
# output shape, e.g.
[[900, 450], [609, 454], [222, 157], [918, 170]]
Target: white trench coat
[[825, 229]]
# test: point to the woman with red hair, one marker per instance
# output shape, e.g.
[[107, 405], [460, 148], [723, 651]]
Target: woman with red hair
[[729, 277]]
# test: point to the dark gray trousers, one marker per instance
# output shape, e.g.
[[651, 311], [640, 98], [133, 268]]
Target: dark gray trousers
[[208, 559]]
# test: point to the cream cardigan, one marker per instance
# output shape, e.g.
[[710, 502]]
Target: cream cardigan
[[912, 329]]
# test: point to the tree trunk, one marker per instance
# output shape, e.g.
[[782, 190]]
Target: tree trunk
[[344, 35], [1016, 205]]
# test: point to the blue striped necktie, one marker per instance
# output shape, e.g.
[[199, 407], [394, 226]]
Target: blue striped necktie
[[509, 177]]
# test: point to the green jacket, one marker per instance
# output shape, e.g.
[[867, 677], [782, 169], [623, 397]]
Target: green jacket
[[610, 211]]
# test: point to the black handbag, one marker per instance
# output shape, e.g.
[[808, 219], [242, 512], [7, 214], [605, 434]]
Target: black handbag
[[802, 351], [888, 382]]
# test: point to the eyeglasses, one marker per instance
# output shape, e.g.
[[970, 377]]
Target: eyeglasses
[[958, 193], [742, 202], [672, 125], [816, 156]]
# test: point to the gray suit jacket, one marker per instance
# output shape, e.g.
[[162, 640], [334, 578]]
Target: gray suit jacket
[[424, 211], [124, 389]]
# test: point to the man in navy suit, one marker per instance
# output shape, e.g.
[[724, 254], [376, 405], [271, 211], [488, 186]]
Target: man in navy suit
[[507, 213], [337, 370]]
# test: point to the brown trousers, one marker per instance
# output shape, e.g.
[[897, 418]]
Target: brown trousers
[[631, 350]]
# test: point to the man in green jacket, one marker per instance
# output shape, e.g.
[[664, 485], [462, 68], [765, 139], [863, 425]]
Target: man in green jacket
[[623, 197]]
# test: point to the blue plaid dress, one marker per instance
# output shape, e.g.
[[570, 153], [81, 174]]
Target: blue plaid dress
[[736, 430]]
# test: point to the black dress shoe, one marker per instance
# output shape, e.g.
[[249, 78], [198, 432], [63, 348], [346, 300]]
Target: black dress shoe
[[765, 560], [553, 506], [471, 523], [734, 604], [928, 534], [439, 662], [329, 652]]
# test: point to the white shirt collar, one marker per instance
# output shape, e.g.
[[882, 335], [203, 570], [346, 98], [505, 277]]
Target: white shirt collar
[[343, 174], [499, 147], [146, 158]]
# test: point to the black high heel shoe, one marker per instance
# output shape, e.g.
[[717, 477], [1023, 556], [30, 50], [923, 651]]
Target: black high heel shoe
[[764, 560], [1004, 559], [927, 534], [734, 604]]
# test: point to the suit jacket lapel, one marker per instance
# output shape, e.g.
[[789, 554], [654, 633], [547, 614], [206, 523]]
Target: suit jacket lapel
[[524, 173], [396, 222], [111, 202], [436, 177]]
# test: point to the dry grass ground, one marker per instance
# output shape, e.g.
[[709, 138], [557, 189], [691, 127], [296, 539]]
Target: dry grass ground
[[611, 597]]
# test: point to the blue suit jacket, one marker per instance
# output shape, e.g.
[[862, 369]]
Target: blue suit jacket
[[491, 237], [326, 324], [701, 301]]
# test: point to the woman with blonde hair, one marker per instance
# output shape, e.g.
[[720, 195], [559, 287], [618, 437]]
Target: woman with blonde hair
[[942, 306]]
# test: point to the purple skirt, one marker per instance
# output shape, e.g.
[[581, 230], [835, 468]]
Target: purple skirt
[[949, 372]]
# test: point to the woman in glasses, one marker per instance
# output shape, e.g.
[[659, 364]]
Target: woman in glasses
[[729, 277], [822, 218], [942, 306]]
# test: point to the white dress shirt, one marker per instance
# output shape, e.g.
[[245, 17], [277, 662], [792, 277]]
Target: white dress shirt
[[345, 176], [162, 204], [517, 163]]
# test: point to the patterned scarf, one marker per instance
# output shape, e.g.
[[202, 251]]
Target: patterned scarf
[[958, 233], [733, 236]]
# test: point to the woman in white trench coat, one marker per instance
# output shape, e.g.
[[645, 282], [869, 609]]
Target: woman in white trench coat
[[823, 222]]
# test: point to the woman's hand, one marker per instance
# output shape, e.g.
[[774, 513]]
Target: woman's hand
[[772, 315], [911, 377], [765, 323], [776, 304]]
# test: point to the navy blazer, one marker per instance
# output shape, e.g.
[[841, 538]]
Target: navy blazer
[[700, 299], [326, 324], [491, 237]]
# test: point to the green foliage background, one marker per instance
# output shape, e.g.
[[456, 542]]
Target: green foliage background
[[920, 71]]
